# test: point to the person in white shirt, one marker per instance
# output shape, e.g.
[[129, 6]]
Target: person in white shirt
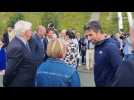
[[89, 56]]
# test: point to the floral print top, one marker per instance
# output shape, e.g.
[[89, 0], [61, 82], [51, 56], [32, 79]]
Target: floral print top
[[72, 53]]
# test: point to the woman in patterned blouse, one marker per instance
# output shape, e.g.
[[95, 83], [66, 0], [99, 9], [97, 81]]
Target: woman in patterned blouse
[[72, 49]]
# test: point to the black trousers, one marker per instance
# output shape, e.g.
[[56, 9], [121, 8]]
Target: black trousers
[[83, 54]]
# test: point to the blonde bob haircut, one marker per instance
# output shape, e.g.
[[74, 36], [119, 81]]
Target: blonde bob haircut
[[56, 49]]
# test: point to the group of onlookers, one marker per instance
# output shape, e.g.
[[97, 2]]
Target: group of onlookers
[[48, 58], [41, 58]]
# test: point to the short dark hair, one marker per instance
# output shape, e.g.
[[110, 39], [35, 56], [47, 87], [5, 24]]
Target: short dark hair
[[93, 25], [70, 34]]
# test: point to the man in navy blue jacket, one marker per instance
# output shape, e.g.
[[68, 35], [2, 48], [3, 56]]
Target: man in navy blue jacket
[[37, 44], [107, 55]]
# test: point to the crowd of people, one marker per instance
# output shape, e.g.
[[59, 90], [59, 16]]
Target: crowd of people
[[48, 58], [113, 56]]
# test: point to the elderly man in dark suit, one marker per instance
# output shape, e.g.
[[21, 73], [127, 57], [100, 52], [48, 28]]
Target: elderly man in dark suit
[[21, 69], [37, 44]]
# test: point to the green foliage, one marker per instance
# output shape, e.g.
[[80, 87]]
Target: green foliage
[[62, 20], [4, 17], [34, 18], [75, 20], [14, 19], [109, 22], [50, 17], [125, 22]]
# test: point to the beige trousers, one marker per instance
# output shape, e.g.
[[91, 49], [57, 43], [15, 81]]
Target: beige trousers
[[89, 58]]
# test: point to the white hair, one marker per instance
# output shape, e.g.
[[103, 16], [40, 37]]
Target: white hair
[[22, 26]]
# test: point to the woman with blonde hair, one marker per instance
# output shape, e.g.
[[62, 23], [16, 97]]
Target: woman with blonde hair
[[54, 72]]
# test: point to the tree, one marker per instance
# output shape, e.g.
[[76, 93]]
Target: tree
[[50, 17], [14, 19]]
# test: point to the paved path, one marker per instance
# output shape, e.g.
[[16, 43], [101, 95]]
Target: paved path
[[1, 81], [86, 77]]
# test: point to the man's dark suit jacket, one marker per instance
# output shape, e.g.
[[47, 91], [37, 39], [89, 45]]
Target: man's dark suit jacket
[[38, 48], [21, 67]]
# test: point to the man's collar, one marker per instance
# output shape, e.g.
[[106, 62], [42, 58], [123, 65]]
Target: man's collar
[[100, 42], [22, 39], [38, 36]]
